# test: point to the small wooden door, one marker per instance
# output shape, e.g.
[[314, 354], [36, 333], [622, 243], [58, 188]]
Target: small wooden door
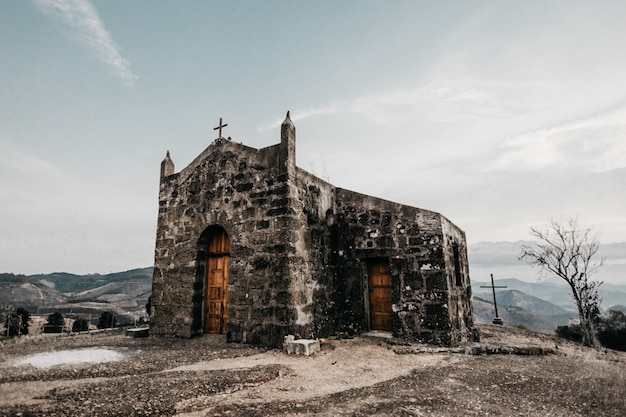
[[380, 295], [216, 296]]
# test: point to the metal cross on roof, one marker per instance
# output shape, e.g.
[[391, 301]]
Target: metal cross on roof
[[220, 127], [497, 320]]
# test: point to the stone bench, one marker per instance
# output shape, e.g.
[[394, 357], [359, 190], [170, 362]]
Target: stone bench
[[305, 347]]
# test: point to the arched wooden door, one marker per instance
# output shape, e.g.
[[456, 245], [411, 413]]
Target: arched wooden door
[[216, 288]]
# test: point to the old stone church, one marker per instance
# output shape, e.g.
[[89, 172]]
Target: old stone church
[[250, 245]]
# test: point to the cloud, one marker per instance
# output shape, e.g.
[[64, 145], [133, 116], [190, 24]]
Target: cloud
[[82, 17], [596, 143], [441, 101], [376, 107], [468, 98]]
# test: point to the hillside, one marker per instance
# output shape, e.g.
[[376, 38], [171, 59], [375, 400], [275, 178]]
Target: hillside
[[123, 293], [554, 291], [28, 294], [512, 315], [71, 283], [536, 305]]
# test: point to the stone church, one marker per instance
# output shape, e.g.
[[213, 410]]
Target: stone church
[[254, 247]]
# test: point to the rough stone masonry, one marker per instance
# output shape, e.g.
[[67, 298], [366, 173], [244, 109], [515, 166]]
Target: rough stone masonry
[[252, 246]]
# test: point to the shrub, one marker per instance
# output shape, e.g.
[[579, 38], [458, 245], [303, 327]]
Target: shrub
[[54, 324], [612, 330], [16, 322], [107, 320], [80, 325]]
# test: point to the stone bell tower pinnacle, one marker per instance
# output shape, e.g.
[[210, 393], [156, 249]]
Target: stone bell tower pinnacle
[[288, 142]]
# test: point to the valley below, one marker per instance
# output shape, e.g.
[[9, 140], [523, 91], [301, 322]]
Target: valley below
[[124, 294]]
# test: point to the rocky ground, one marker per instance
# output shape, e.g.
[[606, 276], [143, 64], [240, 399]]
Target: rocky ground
[[353, 377]]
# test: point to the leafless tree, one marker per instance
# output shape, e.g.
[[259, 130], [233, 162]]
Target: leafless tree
[[567, 251]]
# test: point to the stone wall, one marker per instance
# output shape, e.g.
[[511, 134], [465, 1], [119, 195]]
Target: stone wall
[[313, 284], [248, 193], [414, 242], [459, 285]]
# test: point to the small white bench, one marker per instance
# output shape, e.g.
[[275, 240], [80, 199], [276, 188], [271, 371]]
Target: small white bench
[[305, 347]]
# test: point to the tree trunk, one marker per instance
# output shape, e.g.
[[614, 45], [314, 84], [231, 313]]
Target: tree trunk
[[587, 325], [587, 328]]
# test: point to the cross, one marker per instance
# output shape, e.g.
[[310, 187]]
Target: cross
[[220, 127], [497, 320]]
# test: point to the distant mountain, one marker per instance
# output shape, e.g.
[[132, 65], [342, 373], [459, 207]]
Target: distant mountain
[[123, 293], [516, 307], [12, 278], [512, 316], [535, 305], [70, 283], [21, 291], [618, 308], [554, 290]]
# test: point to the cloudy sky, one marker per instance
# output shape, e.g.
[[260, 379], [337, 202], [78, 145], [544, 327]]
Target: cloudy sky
[[498, 115]]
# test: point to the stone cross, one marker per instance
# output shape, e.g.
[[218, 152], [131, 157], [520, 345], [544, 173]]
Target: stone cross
[[493, 287], [220, 127]]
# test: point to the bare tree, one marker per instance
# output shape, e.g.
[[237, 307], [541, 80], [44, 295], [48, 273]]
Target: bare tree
[[566, 250]]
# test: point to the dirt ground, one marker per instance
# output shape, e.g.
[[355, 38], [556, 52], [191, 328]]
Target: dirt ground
[[348, 377]]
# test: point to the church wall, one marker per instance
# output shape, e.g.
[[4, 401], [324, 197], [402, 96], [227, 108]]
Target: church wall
[[248, 193], [412, 240], [312, 282], [457, 271]]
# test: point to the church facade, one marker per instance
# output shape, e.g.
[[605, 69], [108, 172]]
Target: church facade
[[251, 246]]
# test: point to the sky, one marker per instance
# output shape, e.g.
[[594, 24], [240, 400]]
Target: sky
[[499, 115]]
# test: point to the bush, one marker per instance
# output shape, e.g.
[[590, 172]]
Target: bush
[[16, 322], [107, 320], [612, 330], [80, 325], [54, 324]]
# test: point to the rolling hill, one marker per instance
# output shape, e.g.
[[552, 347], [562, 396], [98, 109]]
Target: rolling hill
[[518, 308], [554, 290], [124, 293], [512, 316]]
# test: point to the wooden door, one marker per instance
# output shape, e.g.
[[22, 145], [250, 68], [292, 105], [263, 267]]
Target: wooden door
[[380, 295], [216, 296]]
